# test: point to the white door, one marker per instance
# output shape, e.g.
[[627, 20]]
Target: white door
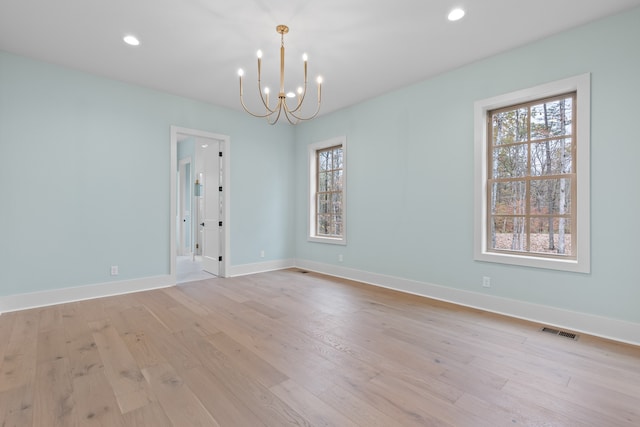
[[211, 204]]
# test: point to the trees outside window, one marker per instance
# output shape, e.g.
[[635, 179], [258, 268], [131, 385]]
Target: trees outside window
[[329, 185], [531, 203], [327, 177], [532, 180]]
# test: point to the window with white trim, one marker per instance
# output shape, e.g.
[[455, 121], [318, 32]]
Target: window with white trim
[[532, 177], [327, 185]]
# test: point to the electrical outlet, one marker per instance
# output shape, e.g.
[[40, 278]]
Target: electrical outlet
[[262, 253], [486, 282], [114, 270], [340, 258]]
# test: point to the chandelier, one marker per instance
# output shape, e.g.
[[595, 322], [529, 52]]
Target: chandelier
[[272, 114]]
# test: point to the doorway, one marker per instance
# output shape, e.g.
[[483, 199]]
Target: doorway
[[199, 204]]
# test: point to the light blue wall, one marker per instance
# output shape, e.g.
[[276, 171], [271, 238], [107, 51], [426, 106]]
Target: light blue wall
[[85, 178], [410, 174], [187, 149]]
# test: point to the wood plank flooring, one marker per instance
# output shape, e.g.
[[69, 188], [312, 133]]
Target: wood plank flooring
[[288, 348]]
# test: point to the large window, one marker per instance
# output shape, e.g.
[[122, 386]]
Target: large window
[[532, 177], [327, 177]]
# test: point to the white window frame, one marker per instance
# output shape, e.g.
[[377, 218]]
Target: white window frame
[[582, 85], [311, 222]]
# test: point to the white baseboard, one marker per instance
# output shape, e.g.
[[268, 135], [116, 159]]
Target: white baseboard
[[604, 327], [260, 267], [79, 293]]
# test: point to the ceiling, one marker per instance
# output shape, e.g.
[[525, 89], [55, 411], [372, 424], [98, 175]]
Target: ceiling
[[362, 48]]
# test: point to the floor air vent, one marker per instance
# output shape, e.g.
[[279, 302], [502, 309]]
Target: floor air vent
[[558, 332]]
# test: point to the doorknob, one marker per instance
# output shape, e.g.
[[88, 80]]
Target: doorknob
[[202, 224]]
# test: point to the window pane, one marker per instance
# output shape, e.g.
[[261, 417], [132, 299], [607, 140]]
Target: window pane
[[337, 181], [338, 229], [510, 126], [508, 233], [550, 196], [323, 203], [551, 157], [510, 162], [337, 158], [324, 183], [324, 160], [322, 226], [551, 235], [508, 198], [551, 119], [336, 198]]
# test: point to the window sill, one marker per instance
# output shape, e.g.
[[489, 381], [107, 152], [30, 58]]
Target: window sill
[[571, 265], [329, 240]]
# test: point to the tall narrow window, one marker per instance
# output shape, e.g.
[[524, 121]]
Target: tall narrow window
[[532, 176], [532, 185], [327, 176]]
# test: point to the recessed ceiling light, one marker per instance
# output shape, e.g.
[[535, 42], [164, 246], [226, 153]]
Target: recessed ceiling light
[[455, 14], [131, 40]]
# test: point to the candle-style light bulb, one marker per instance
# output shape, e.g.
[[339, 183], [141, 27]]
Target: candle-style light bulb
[[240, 74], [259, 54], [305, 58]]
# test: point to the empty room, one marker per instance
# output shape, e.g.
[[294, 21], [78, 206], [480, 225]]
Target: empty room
[[319, 213]]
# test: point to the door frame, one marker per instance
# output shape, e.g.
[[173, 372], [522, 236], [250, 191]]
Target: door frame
[[176, 134]]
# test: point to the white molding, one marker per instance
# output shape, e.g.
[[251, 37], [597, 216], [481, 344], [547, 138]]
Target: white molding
[[260, 267], [311, 188], [604, 327], [81, 293], [225, 147], [582, 85]]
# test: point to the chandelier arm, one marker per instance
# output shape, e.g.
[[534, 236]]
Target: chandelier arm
[[299, 118], [288, 114], [265, 103], [252, 113], [304, 91], [300, 99], [245, 107], [279, 110]]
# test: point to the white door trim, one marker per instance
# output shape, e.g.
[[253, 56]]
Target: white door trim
[[225, 148]]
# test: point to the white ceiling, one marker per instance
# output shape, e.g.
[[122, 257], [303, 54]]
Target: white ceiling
[[362, 48]]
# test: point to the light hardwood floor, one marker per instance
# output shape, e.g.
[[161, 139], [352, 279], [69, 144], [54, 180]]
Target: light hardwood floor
[[293, 349]]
